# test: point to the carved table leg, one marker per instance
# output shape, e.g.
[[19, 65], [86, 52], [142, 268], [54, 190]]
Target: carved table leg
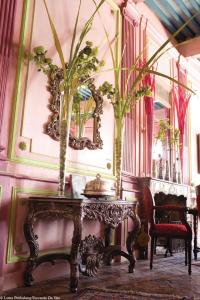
[[130, 242], [31, 240], [107, 234], [74, 257]]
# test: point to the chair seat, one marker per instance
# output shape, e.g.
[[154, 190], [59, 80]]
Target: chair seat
[[170, 230], [182, 230]]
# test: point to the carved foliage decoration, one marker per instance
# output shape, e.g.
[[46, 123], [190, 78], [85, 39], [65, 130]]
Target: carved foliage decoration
[[111, 215], [91, 252], [52, 126]]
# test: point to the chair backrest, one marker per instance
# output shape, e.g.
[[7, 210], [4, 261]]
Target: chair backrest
[[198, 198], [148, 204]]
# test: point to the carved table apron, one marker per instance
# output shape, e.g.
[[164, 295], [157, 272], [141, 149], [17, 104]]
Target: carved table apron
[[109, 212]]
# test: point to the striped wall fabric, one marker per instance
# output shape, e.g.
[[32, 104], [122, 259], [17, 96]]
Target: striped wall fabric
[[135, 139], [7, 14]]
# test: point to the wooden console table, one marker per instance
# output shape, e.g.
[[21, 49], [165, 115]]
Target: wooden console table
[[109, 212]]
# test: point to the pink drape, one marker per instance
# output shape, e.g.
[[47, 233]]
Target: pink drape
[[149, 82], [181, 99]]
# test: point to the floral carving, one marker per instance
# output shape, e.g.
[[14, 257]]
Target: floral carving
[[112, 214], [92, 249]]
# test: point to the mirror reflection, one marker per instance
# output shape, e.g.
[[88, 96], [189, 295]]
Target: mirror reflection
[[161, 137], [86, 113], [82, 113], [161, 126]]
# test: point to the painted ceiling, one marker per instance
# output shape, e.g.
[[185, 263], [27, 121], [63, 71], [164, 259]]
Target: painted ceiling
[[174, 13]]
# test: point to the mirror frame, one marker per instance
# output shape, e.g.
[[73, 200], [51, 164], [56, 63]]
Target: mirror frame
[[52, 126]]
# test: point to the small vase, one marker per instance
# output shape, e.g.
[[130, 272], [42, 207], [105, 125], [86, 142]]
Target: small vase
[[154, 168], [179, 170], [167, 170], [160, 168], [174, 173]]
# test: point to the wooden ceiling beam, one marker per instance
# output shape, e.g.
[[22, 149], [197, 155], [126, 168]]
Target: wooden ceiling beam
[[190, 48]]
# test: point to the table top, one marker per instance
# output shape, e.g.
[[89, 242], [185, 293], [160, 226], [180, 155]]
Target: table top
[[79, 201]]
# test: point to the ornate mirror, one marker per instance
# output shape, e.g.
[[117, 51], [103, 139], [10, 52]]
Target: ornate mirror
[[86, 111]]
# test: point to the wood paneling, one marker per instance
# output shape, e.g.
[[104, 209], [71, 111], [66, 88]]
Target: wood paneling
[[135, 140], [7, 14]]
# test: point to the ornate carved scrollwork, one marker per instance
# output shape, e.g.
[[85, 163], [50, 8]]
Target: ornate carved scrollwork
[[91, 252], [52, 126], [112, 214], [41, 211]]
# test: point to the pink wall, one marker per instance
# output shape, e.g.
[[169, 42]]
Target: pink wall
[[24, 172], [34, 170]]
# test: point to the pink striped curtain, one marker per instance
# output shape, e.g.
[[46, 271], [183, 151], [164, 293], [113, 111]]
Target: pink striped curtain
[[181, 99], [136, 155], [7, 14]]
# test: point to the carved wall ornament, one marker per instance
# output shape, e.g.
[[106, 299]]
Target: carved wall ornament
[[22, 146], [52, 126]]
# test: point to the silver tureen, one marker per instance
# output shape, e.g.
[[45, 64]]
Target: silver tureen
[[98, 188]]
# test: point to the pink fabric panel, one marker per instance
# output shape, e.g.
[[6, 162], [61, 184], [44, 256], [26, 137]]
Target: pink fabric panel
[[181, 99], [7, 14]]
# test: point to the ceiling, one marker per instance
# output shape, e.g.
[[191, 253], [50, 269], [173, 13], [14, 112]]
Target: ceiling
[[173, 14]]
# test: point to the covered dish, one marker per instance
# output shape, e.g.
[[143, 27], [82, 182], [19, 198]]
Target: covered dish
[[98, 188]]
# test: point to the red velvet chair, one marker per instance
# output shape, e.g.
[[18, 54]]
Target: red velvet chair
[[168, 231]]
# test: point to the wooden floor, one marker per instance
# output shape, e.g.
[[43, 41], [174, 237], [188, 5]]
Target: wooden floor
[[169, 276]]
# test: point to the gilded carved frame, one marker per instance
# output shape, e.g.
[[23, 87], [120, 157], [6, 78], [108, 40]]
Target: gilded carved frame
[[52, 126]]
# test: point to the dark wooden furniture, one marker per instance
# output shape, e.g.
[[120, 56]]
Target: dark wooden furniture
[[165, 192], [194, 213], [109, 212], [167, 187], [167, 230]]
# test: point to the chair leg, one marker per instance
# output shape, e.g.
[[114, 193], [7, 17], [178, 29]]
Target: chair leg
[[169, 248], [186, 253], [189, 256], [155, 243], [151, 252]]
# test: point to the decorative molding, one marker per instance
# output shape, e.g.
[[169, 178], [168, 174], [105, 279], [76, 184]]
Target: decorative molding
[[40, 161], [7, 16], [10, 257], [22, 146], [16, 99]]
